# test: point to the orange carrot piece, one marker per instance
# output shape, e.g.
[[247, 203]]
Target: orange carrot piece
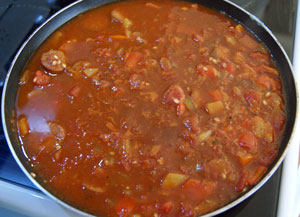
[[119, 37], [23, 126], [245, 158]]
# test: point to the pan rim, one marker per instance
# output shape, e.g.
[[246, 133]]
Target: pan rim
[[215, 212]]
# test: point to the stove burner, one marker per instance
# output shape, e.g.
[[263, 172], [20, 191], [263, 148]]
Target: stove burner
[[18, 19]]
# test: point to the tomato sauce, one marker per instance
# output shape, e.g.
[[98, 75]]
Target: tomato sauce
[[150, 108]]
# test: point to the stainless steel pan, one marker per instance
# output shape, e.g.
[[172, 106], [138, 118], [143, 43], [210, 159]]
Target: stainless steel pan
[[232, 10]]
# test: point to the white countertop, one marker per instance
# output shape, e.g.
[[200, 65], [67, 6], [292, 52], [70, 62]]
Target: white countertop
[[289, 198]]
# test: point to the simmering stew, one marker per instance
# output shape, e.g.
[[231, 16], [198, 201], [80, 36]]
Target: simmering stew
[[150, 108]]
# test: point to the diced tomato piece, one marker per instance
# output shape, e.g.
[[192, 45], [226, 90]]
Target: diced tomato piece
[[126, 165], [216, 94], [262, 57], [268, 82], [248, 140], [40, 78], [260, 171], [57, 155], [278, 121], [252, 97], [192, 184], [264, 68], [124, 206], [268, 158], [209, 71], [198, 190], [229, 66], [242, 183], [75, 91], [246, 124], [248, 71], [149, 163], [132, 59], [167, 207], [212, 72], [49, 144], [174, 94]]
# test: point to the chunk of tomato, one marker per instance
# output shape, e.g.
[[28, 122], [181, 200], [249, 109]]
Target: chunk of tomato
[[124, 206], [256, 176], [198, 190], [132, 59], [248, 140], [167, 207], [268, 82], [216, 94], [242, 183]]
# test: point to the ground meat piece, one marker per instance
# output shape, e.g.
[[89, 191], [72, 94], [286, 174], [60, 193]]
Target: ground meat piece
[[40, 78], [54, 60], [57, 131], [75, 91]]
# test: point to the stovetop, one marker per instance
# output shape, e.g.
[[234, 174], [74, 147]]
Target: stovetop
[[18, 18]]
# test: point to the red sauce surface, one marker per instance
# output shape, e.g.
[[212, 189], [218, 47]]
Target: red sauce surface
[[150, 108]]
